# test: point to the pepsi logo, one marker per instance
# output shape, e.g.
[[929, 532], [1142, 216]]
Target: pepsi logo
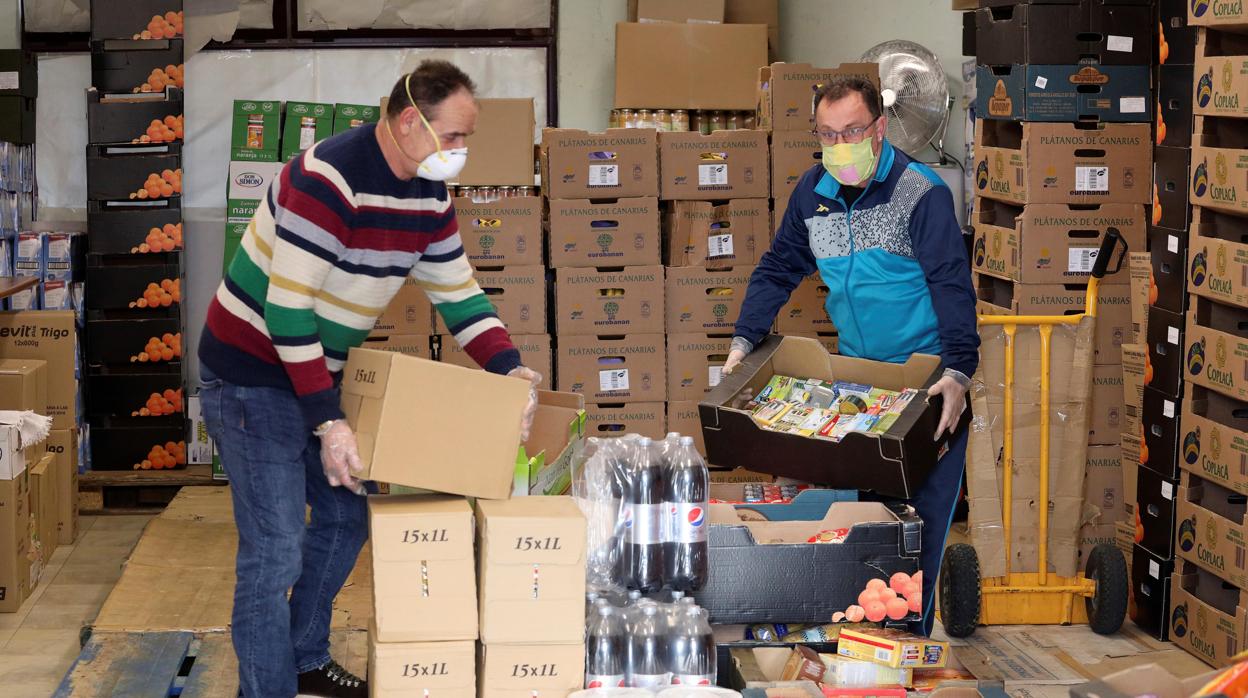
[[697, 517]]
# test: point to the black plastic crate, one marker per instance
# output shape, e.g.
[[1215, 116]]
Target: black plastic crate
[[120, 172], [130, 447], [125, 66], [151, 399], [127, 227], [128, 19], [124, 342], [1150, 592], [127, 118], [129, 287]]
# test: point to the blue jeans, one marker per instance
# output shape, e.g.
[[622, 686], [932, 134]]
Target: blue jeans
[[935, 503], [274, 466]]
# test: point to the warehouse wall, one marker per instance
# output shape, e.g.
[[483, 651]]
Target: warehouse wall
[[813, 31]]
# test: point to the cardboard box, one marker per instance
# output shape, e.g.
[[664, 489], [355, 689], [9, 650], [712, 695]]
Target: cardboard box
[[544, 465], [255, 132], [126, 118], [51, 337], [1162, 436], [1175, 96], [1217, 14], [1130, 531], [410, 313], [12, 454], [613, 369], [199, 444], [793, 154], [420, 346], [64, 445], [683, 418], [1208, 617], [120, 227], [534, 349], [1156, 506], [687, 66], [694, 364], [680, 11], [1149, 604], [119, 171], [806, 313], [1219, 260], [1219, 67], [705, 300], [1219, 167], [126, 19], [785, 92], [518, 295], [1140, 266], [1102, 93], [248, 186], [1093, 535], [702, 234], [611, 420], [518, 604], [1102, 480], [1049, 163], [747, 549], [1051, 243], [609, 301], [892, 648], [1171, 208], [424, 581], [734, 439], [1211, 529], [1215, 439], [504, 133], [624, 232], [435, 668], [1134, 361], [349, 116], [1065, 33], [522, 671], [502, 233], [723, 165], [476, 420], [303, 125], [757, 12], [44, 504], [1144, 679], [1168, 269], [15, 583], [1217, 354], [1165, 352], [24, 385], [1113, 319], [616, 163]]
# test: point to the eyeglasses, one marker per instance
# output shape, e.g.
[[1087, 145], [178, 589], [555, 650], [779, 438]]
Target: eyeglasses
[[849, 135]]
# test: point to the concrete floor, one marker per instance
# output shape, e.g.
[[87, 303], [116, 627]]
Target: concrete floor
[[40, 642]]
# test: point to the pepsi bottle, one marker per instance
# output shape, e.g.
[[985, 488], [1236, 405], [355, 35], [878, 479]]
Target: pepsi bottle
[[691, 649], [606, 652], [642, 563], [647, 648], [686, 495]]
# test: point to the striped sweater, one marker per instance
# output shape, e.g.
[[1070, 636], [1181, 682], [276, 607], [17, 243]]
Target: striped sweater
[[321, 259]]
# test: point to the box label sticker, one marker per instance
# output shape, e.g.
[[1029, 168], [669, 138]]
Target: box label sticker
[[1094, 178], [1172, 244], [1154, 569], [719, 246], [604, 175], [10, 80], [1121, 44], [613, 380], [1167, 490], [713, 175], [1167, 409], [1081, 260], [1172, 335], [1041, 81], [714, 374], [1132, 105]]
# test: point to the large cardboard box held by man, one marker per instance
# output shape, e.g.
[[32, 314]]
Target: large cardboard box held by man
[[531, 570], [50, 336], [424, 581], [433, 425]]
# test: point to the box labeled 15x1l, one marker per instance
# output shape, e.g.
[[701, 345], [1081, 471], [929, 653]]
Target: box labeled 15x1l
[[408, 439]]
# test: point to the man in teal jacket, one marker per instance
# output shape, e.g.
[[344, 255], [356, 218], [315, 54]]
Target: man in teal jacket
[[880, 229]]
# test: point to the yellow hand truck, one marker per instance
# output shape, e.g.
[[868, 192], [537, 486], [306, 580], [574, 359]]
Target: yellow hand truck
[[1036, 598]]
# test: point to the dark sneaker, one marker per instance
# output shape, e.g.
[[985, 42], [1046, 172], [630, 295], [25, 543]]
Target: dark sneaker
[[331, 681]]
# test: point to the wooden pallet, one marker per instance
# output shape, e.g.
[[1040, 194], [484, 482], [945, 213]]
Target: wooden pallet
[[133, 491], [153, 665]]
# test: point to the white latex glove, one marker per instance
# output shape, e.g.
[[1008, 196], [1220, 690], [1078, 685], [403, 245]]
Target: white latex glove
[[734, 358], [340, 456], [530, 409], [955, 401]]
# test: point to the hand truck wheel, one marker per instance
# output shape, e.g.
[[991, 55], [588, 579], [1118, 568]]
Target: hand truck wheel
[[1108, 606], [959, 590]]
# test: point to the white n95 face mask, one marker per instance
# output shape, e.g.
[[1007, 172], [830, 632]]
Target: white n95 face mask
[[444, 164]]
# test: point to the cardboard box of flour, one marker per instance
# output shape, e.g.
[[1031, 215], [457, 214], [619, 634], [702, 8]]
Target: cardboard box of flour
[[531, 570]]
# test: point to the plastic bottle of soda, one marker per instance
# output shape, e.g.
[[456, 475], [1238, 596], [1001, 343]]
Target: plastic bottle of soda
[[647, 648], [691, 653], [643, 548], [685, 499], [605, 647]]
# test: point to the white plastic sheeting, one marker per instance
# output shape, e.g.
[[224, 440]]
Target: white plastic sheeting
[[224, 16], [316, 15]]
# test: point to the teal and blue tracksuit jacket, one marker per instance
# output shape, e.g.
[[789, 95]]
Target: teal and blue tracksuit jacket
[[894, 262]]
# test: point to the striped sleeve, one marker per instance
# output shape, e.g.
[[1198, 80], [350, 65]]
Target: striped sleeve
[[311, 213], [446, 276]]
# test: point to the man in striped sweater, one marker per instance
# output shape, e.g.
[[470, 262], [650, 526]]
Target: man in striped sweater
[[341, 228]]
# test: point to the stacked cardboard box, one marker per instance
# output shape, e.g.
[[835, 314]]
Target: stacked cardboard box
[[23, 551], [1062, 154], [1208, 585]]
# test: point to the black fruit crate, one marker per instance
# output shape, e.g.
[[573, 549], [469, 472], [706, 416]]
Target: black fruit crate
[[124, 66], [128, 19], [118, 172], [112, 342], [129, 399], [127, 447], [126, 118], [125, 287], [124, 227]]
